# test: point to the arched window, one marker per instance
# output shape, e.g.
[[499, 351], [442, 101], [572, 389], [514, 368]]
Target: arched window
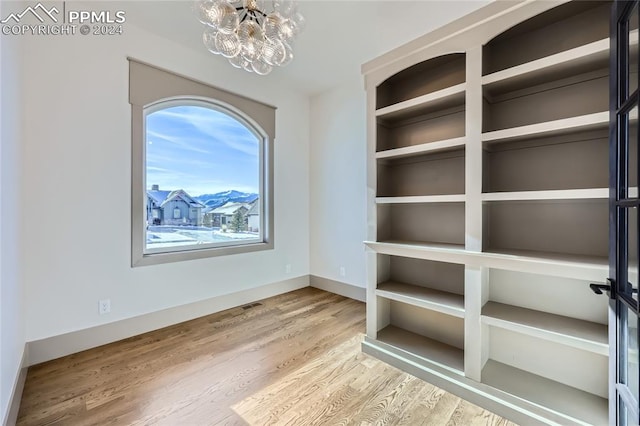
[[206, 167]]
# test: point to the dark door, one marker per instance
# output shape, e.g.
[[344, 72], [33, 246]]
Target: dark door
[[623, 215]]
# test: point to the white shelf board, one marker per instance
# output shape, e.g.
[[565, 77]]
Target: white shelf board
[[438, 353], [454, 253], [564, 194], [585, 335], [429, 147], [572, 59], [561, 194], [454, 198], [569, 402], [561, 265], [579, 123], [435, 300], [440, 99]]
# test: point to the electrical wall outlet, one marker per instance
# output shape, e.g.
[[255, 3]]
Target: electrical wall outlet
[[287, 268], [343, 271], [104, 306]]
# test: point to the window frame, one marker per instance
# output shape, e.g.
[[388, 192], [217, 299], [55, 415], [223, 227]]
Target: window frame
[[152, 89], [262, 141]]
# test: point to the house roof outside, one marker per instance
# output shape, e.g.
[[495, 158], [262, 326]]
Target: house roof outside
[[163, 197], [229, 208], [158, 196], [179, 193]]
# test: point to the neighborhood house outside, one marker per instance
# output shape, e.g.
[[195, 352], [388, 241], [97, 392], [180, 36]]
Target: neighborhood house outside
[[175, 218]]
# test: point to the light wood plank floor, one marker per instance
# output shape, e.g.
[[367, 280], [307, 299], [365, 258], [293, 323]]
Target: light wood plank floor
[[294, 359]]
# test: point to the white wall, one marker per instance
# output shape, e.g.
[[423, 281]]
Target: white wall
[[77, 165], [338, 182], [12, 333]]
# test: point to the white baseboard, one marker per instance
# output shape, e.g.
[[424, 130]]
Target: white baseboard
[[11, 416], [69, 343], [343, 289]]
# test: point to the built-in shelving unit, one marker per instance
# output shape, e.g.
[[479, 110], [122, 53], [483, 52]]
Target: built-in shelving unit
[[488, 209]]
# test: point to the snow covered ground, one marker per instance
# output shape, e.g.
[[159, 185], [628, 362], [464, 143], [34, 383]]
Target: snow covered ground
[[161, 236]]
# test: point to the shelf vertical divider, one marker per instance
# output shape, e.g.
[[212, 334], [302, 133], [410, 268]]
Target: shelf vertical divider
[[473, 151], [475, 277], [372, 214], [476, 341]]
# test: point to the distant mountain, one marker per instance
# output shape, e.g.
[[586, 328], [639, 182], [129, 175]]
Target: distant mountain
[[222, 198]]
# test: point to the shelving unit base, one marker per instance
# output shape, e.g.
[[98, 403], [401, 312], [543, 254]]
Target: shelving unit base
[[510, 400]]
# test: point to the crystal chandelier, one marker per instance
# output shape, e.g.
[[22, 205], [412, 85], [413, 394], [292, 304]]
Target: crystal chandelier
[[255, 35]]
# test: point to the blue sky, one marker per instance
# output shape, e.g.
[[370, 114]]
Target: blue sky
[[200, 150]]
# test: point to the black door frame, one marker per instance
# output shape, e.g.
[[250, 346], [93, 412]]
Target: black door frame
[[622, 302]]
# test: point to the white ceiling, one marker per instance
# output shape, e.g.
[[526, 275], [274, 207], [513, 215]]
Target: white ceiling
[[339, 36]]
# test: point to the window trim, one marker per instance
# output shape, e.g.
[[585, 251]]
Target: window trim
[[151, 86]]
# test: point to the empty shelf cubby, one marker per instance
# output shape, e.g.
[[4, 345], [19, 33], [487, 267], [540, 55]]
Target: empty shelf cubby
[[554, 31], [556, 227], [426, 174], [571, 161], [579, 95], [444, 71], [422, 223], [431, 126]]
